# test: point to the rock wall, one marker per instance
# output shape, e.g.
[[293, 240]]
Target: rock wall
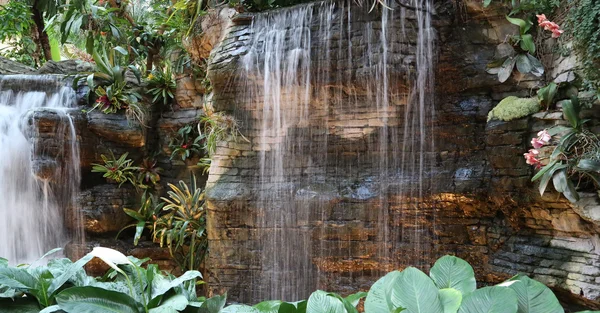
[[483, 206]]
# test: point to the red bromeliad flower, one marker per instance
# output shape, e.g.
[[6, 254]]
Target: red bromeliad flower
[[185, 146], [105, 102]]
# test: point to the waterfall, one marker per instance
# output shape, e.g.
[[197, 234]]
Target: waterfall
[[338, 103], [39, 171]]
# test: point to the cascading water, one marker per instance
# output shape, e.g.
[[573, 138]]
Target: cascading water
[[32, 204], [338, 103]]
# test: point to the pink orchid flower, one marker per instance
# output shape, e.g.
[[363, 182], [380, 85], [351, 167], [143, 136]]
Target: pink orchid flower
[[541, 18], [556, 33], [545, 24], [530, 157], [536, 143], [550, 26], [544, 136]]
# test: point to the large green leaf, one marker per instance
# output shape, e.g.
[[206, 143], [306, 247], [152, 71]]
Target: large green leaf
[[523, 25], [571, 112], [173, 304], [376, 297], [533, 296], [69, 272], [451, 299], [527, 43], [96, 300], [589, 165], [506, 69], [563, 184], [548, 175], [354, 298], [271, 306], [547, 93], [452, 272], [495, 299], [414, 291], [538, 67], [287, 308], [19, 305], [321, 302], [523, 64], [16, 278], [213, 305], [160, 287]]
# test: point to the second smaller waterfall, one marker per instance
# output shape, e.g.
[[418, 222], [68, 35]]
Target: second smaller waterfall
[[35, 193]]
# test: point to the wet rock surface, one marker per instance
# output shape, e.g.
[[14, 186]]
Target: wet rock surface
[[484, 207]]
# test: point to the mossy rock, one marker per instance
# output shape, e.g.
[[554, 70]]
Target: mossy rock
[[511, 108]]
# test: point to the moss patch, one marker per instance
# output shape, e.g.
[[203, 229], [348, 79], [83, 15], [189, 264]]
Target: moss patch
[[512, 107]]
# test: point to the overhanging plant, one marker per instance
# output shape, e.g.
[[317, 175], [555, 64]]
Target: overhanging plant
[[519, 52], [576, 155]]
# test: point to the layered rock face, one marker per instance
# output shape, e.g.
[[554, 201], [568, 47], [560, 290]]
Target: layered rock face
[[343, 185]]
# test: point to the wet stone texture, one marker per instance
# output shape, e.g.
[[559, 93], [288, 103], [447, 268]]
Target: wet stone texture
[[481, 206]]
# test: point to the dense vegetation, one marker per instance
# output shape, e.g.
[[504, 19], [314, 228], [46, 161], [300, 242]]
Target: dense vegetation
[[569, 156], [63, 286]]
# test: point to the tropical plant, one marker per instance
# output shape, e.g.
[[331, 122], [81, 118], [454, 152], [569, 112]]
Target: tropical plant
[[113, 92], [215, 127], [131, 288], [187, 143], [16, 32], [63, 286], [119, 170], [146, 216], [576, 155], [148, 173], [546, 94], [183, 228], [517, 52], [162, 86]]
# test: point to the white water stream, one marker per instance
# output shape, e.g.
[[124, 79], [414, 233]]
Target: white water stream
[[31, 209]]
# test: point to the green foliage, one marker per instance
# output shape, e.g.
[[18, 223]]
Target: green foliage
[[148, 173], [162, 86], [64, 285], [537, 6], [512, 107], [113, 92], [584, 23], [215, 127], [518, 52], [546, 95], [187, 143], [133, 288], [575, 156], [183, 228], [119, 170], [145, 216], [16, 30]]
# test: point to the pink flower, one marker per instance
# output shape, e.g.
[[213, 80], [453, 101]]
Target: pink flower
[[541, 18], [550, 26], [556, 33], [542, 139], [545, 24], [530, 157], [544, 136], [536, 143]]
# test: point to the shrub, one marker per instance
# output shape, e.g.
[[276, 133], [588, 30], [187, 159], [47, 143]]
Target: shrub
[[512, 107]]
